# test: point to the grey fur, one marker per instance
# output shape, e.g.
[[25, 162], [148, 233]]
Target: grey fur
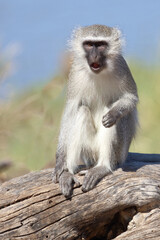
[[100, 117]]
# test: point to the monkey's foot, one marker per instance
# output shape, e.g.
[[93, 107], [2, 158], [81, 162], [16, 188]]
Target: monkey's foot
[[93, 177], [66, 182], [56, 174], [58, 170]]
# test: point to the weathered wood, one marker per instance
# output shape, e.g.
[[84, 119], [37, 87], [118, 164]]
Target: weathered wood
[[125, 205], [143, 226]]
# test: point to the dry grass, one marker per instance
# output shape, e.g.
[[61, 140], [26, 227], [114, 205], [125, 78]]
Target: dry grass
[[29, 126]]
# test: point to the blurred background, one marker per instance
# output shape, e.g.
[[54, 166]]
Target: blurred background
[[33, 38]]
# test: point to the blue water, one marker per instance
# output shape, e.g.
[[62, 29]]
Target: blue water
[[41, 28]]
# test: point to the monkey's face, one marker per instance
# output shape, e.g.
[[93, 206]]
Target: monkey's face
[[96, 52]]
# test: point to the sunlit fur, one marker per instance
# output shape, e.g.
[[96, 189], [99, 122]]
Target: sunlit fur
[[99, 33], [90, 96]]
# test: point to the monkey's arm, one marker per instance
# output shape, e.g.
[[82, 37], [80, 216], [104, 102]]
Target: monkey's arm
[[119, 109], [60, 173], [65, 128], [60, 165], [61, 152], [129, 98]]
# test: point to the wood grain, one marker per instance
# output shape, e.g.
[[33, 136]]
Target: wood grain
[[125, 205]]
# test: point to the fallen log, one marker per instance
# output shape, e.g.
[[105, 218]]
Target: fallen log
[[125, 205]]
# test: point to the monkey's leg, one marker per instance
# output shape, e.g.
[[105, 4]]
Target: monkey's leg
[[60, 165], [83, 130], [66, 182], [67, 163], [60, 174], [108, 146]]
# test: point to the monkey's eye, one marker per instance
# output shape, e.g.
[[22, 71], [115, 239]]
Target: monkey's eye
[[101, 44], [88, 44]]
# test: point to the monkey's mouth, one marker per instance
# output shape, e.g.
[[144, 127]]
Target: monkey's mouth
[[95, 67]]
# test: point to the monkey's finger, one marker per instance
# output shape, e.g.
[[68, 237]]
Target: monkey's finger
[[104, 118], [91, 184], [76, 182], [108, 124], [87, 182], [82, 173], [54, 179], [54, 176], [87, 187], [94, 182], [107, 120], [66, 187], [67, 191]]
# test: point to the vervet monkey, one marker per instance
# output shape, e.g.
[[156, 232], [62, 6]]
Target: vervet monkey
[[100, 116]]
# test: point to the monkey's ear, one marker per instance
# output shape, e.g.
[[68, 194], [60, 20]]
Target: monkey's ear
[[77, 31], [74, 42], [117, 34], [117, 41]]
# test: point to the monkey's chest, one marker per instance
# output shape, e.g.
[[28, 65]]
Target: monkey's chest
[[92, 125], [97, 114], [93, 133]]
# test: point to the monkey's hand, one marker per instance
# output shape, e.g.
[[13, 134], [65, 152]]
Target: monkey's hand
[[111, 118], [66, 182], [93, 177]]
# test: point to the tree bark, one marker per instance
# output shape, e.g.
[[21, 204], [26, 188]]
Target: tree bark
[[125, 205]]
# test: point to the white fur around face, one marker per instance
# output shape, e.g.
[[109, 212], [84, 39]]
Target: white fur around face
[[115, 41], [80, 64]]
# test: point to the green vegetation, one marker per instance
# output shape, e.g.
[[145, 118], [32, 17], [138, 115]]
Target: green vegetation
[[29, 125], [148, 82]]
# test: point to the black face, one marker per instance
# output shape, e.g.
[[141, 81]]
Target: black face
[[96, 54]]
